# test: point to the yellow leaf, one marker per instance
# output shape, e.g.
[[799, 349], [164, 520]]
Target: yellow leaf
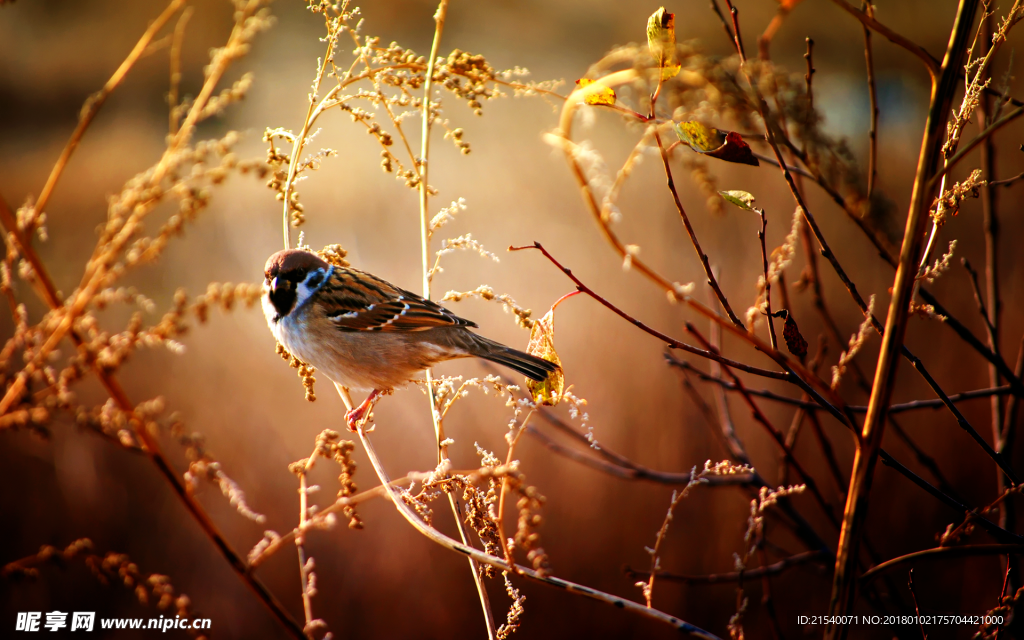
[[595, 93], [542, 344], [699, 137], [661, 38]]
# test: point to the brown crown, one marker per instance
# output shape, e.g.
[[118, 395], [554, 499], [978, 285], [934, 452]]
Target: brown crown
[[292, 261]]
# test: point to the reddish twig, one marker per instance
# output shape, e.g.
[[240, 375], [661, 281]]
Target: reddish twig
[[762, 419]]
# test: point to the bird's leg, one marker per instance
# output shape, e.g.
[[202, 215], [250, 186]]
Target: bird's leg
[[354, 416]]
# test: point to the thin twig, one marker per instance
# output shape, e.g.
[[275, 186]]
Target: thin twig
[[942, 553], [995, 530], [762, 419], [176, 42], [735, 576], [826, 251], [869, 21], [96, 100], [809, 74], [901, 407], [767, 280], [804, 380], [737, 38], [712, 281], [421, 166], [869, 63]]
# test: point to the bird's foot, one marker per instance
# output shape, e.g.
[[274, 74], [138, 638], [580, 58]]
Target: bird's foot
[[356, 416]]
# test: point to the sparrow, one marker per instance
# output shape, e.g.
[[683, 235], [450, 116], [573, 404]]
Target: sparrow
[[366, 334]]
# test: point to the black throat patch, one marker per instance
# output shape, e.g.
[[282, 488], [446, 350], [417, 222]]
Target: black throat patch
[[283, 297]]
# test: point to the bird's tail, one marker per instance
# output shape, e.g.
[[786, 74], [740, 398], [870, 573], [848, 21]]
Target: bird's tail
[[530, 366]]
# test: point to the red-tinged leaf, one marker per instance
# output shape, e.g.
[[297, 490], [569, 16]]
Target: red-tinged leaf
[[724, 145], [593, 92]]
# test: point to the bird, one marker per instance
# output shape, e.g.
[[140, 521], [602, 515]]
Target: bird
[[366, 334]]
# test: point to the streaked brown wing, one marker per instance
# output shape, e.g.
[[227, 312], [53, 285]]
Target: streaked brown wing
[[359, 301]]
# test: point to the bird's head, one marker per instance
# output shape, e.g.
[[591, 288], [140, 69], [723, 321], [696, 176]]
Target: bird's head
[[291, 277]]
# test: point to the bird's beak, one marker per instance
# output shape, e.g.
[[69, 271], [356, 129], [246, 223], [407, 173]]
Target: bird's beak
[[273, 284]]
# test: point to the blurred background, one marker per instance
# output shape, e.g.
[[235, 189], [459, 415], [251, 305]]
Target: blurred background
[[387, 581]]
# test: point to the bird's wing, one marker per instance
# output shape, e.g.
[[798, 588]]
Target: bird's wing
[[359, 301]]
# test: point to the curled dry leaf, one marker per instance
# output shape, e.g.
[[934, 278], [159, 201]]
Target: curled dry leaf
[[542, 344], [724, 145], [795, 341], [593, 92], [661, 38]]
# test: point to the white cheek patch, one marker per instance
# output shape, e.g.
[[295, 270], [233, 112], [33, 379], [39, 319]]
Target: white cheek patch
[[313, 283]]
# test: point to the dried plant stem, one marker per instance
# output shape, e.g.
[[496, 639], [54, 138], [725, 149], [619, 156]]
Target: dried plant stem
[[300, 539], [992, 310], [95, 101], [300, 142], [814, 280], [172, 96], [736, 450], [867, 452], [712, 281], [1013, 404], [320, 516], [966, 149], [113, 243], [422, 165], [151, 446], [504, 485], [483, 558]]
